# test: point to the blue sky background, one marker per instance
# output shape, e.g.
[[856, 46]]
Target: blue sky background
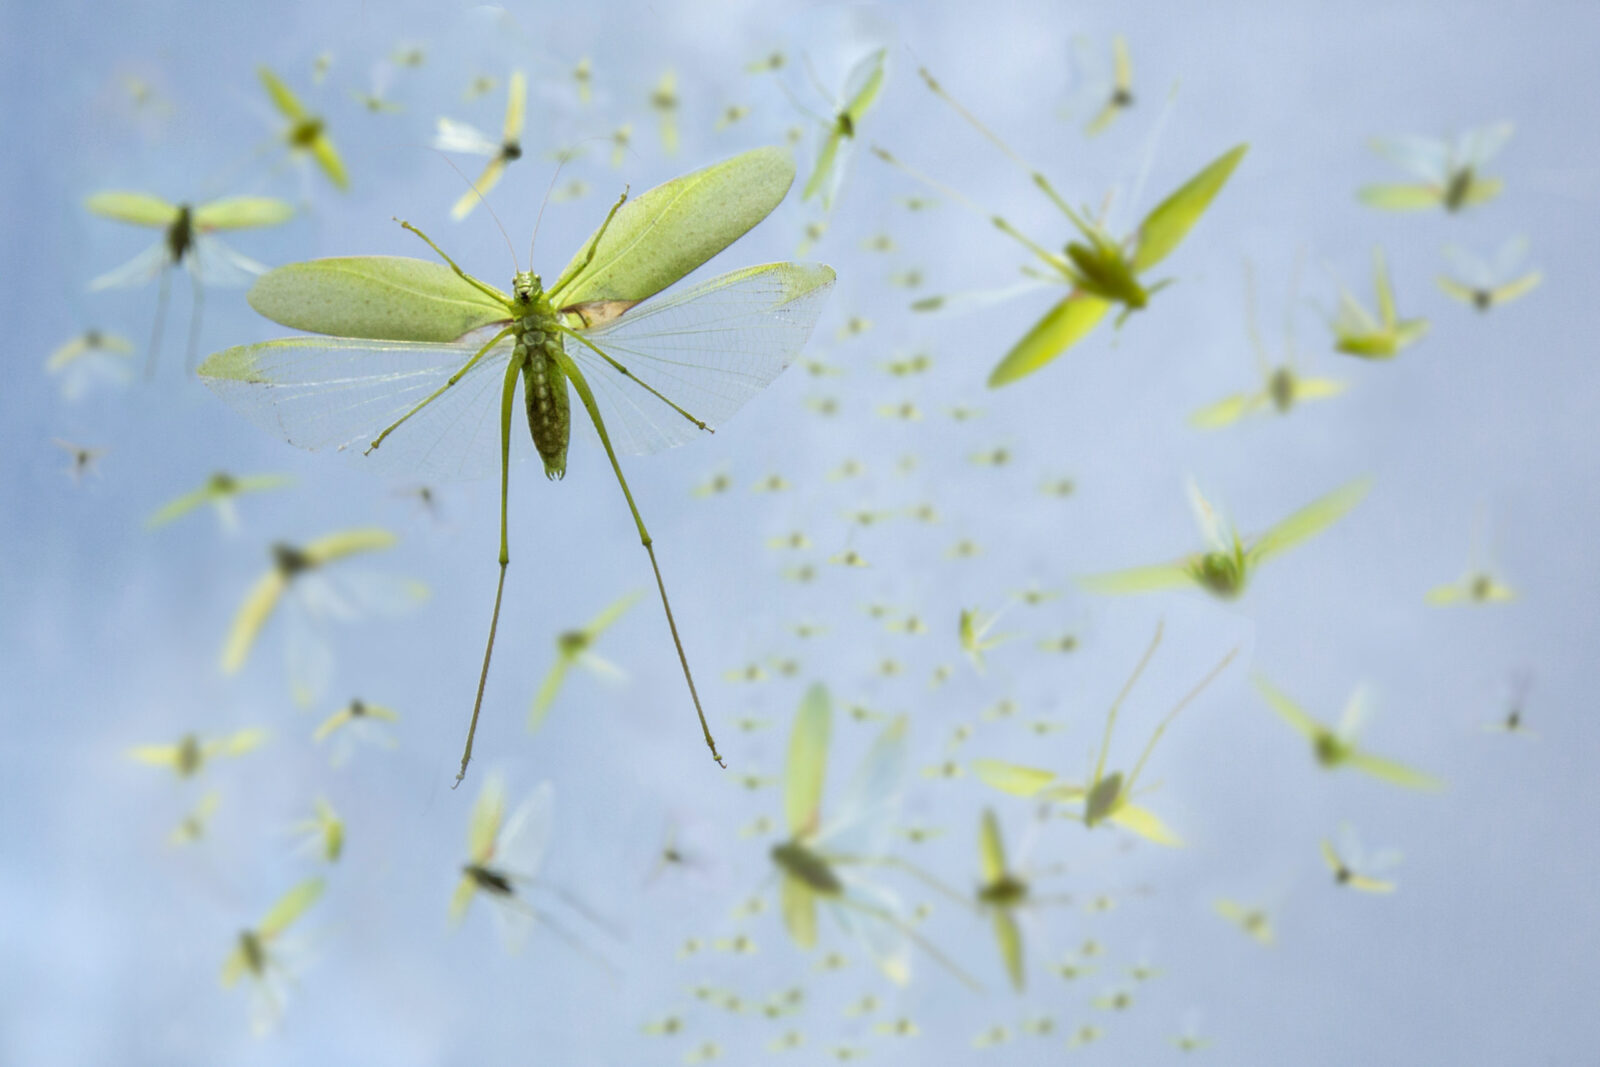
[[109, 635]]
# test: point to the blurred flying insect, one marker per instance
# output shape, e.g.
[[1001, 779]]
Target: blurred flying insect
[[257, 955], [190, 755], [1335, 747], [715, 485], [621, 139], [1282, 386], [583, 80], [192, 827], [306, 134], [1104, 797], [186, 242], [1252, 919], [973, 628], [810, 235], [1116, 1000], [1356, 332], [1087, 1034], [323, 832], [664, 101], [480, 85], [424, 349], [1002, 893], [357, 721], [900, 1027], [1485, 284], [1449, 171], [1478, 585], [1100, 270], [820, 862], [1224, 567], [732, 115], [410, 56], [1512, 723], [576, 647], [861, 89], [455, 136], [504, 856], [1351, 867], [85, 458], [94, 357], [375, 99], [218, 491], [666, 1026], [998, 1034], [770, 63], [298, 577], [1115, 92]]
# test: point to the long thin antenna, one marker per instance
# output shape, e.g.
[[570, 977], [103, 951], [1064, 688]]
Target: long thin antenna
[[1127, 687], [1133, 776], [534, 240], [485, 202]]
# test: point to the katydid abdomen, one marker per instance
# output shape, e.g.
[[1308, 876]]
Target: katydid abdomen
[[545, 392]]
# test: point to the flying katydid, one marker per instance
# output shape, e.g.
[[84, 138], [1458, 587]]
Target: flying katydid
[[1449, 172], [1282, 386], [1336, 747], [1483, 285], [186, 241], [306, 134], [861, 89], [419, 350], [1105, 797], [1225, 566], [576, 646], [1099, 269], [1356, 332], [459, 137]]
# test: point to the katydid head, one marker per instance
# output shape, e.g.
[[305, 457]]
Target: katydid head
[[527, 289], [303, 134]]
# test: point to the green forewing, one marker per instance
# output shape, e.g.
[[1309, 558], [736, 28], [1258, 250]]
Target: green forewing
[[1062, 326], [808, 761], [654, 240], [242, 212], [991, 850], [1311, 519], [1172, 219], [141, 209], [392, 298]]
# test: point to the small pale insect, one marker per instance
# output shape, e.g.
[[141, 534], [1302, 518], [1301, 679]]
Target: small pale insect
[[1513, 721], [621, 141], [418, 351], [455, 136], [323, 833], [770, 63], [664, 102], [1448, 172], [1282, 385], [192, 827], [821, 861], [973, 630], [1104, 797], [93, 359], [306, 135], [1099, 269], [1335, 746], [300, 579], [1254, 920], [219, 491], [861, 89], [1351, 867], [187, 241], [358, 721], [1109, 92], [189, 756], [1484, 284], [1003, 893], [576, 648], [732, 115], [583, 80], [1478, 585], [1224, 567], [85, 459], [376, 98], [1358, 332], [258, 956]]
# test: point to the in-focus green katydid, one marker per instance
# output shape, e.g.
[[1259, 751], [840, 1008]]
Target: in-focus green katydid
[[417, 352], [1099, 269]]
